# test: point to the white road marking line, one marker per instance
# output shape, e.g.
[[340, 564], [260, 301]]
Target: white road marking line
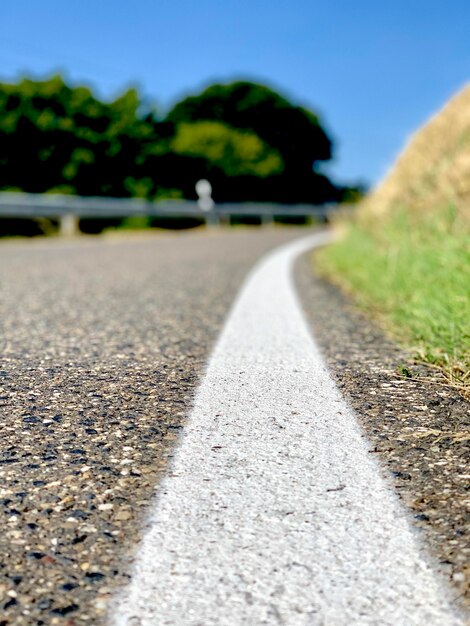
[[273, 511]]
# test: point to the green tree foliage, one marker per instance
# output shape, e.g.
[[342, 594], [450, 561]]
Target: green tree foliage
[[57, 138], [293, 131], [235, 152], [248, 140]]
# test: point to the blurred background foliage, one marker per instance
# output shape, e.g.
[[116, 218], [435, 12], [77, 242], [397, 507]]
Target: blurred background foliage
[[250, 142]]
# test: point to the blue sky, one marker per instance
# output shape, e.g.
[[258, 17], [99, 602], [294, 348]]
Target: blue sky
[[374, 70]]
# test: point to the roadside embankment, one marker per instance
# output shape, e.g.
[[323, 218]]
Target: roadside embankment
[[406, 257], [392, 311]]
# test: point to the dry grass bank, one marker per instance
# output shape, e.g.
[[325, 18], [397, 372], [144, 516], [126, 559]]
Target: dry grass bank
[[406, 256]]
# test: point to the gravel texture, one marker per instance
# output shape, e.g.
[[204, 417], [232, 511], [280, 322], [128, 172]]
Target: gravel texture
[[420, 430], [273, 511], [102, 344]]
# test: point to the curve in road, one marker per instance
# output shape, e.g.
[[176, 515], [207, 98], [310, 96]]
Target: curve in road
[[103, 342], [274, 512]]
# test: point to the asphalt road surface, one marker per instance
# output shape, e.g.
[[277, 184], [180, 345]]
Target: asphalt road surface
[[102, 345], [270, 512], [274, 511]]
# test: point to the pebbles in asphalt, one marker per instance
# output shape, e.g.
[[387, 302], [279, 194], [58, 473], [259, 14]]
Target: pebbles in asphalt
[[102, 345]]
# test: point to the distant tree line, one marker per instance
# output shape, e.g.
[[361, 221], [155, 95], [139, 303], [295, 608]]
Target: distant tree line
[[250, 142]]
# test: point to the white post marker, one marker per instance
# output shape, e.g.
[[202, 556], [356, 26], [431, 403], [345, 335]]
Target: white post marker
[[205, 201], [204, 192], [273, 511]]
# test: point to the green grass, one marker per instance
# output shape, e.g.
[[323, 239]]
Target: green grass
[[413, 275]]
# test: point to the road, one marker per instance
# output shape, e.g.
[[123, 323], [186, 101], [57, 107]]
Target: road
[[273, 511], [105, 346], [103, 343]]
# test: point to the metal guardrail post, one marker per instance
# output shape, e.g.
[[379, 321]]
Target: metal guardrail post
[[68, 225], [212, 218]]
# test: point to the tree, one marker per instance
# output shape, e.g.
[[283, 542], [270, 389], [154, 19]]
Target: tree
[[237, 153], [59, 138], [293, 131], [252, 143]]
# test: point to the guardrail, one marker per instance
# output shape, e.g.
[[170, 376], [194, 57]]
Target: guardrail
[[69, 209]]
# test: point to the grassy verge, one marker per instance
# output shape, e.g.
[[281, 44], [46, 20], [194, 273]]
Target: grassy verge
[[413, 275]]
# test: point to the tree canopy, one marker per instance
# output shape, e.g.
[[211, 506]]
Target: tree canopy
[[237, 153], [252, 143], [59, 138], [293, 131]]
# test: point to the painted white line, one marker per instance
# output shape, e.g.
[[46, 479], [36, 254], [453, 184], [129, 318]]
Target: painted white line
[[273, 511]]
